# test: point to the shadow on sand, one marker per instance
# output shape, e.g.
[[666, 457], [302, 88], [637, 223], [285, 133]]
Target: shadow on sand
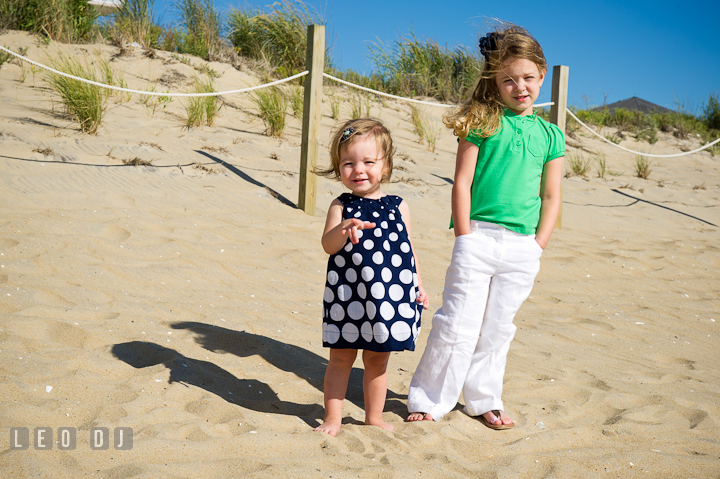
[[252, 394]]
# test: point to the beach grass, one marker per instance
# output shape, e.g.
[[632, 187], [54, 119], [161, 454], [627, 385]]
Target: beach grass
[[335, 101], [296, 98], [202, 28], [415, 67], [423, 127], [359, 105], [271, 104], [202, 110], [579, 165], [60, 20], [642, 167], [86, 103], [277, 37], [134, 22]]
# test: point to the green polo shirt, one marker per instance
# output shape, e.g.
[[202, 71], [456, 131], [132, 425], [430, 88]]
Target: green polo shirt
[[506, 185]]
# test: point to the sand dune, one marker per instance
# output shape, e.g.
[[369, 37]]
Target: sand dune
[[182, 300]]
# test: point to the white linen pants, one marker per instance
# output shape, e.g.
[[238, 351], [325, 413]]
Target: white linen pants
[[491, 274]]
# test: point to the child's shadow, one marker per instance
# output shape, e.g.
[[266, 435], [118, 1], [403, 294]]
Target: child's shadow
[[304, 364], [248, 393]]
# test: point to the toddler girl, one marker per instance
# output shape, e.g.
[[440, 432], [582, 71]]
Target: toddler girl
[[373, 291]]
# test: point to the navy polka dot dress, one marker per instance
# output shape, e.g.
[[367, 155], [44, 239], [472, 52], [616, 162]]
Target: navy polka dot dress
[[372, 287]]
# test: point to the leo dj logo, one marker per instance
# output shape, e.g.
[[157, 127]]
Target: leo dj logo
[[100, 438]]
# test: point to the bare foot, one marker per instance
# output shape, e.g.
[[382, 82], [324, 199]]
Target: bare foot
[[419, 416], [380, 423], [329, 427]]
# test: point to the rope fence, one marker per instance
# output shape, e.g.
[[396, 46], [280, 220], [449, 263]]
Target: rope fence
[[639, 152], [409, 100], [153, 93], [338, 80]]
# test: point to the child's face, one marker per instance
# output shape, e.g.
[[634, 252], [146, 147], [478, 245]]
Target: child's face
[[362, 167], [519, 85]]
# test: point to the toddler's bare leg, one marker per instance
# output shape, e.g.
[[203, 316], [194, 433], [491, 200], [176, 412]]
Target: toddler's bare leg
[[335, 386], [375, 388]]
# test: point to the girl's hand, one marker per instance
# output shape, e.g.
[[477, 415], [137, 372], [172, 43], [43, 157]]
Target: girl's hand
[[423, 297], [351, 226]]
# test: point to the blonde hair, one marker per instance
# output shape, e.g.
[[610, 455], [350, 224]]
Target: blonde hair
[[484, 109], [347, 134]]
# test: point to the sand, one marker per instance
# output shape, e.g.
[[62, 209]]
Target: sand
[[182, 300]]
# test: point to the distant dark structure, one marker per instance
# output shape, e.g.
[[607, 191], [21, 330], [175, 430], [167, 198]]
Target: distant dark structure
[[635, 104]]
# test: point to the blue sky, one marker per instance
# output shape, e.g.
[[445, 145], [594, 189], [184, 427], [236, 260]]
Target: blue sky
[[661, 51]]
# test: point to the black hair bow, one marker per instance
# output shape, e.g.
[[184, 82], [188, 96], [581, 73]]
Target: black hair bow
[[488, 44]]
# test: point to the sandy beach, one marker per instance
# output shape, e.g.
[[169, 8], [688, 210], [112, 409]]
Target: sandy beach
[[183, 300]]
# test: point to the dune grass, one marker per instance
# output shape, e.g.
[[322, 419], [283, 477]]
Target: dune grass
[[414, 67], [334, 105], [579, 165], [86, 103], [202, 110], [271, 104], [60, 20], [642, 167], [202, 28], [359, 105], [296, 98], [423, 127], [277, 37], [135, 22]]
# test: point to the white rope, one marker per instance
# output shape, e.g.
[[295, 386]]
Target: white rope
[[444, 105], [640, 152], [154, 93]]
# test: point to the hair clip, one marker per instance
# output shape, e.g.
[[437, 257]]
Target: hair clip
[[488, 44], [347, 133]]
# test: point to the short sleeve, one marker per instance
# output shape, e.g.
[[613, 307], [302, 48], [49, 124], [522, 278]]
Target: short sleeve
[[556, 143], [475, 138]]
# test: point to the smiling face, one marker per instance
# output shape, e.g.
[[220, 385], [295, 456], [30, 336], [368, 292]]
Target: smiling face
[[362, 167], [519, 84]]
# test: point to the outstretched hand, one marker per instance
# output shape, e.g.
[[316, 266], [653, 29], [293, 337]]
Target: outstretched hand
[[351, 226]]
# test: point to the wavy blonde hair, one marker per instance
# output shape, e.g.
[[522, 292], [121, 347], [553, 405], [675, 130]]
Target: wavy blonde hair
[[359, 127], [484, 109]]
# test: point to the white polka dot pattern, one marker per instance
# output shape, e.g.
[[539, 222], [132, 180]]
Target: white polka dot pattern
[[370, 292]]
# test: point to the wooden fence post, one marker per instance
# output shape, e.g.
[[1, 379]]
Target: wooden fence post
[[312, 113], [557, 110]]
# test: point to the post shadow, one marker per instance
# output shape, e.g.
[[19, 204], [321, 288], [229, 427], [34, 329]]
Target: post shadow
[[661, 206], [247, 393], [248, 178], [447, 180]]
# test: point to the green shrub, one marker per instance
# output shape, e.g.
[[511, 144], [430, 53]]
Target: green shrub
[[649, 135], [87, 103]]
